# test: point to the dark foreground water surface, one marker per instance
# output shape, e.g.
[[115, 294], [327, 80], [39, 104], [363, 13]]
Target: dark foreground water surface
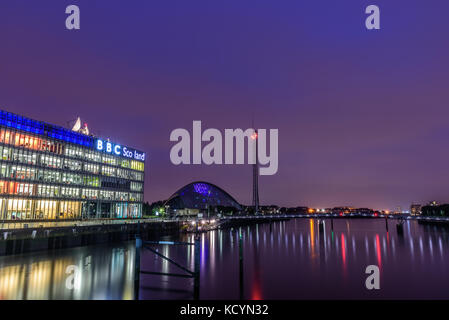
[[290, 260]]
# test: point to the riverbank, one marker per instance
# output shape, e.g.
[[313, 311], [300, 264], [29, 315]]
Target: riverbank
[[17, 241]]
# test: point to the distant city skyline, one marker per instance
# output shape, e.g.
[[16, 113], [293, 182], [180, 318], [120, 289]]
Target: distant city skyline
[[361, 115]]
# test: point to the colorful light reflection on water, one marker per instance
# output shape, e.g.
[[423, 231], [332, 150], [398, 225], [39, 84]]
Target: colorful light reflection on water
[[296, 259]]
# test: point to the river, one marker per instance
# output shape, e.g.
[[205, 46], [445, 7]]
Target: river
[[285, 260]]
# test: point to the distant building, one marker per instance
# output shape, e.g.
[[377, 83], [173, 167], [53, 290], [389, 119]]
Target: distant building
[[263, 210], [201, 197], [415, 209], [364, 211], [441, 210], [269, 209], [343, 210], [294, 210]]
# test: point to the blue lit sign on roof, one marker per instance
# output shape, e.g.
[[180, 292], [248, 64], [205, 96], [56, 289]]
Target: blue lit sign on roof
[[118, 150], [15, 121]]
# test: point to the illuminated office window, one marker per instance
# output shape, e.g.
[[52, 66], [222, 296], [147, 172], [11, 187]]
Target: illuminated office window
[[72, 165], [45, 209], [137, 165], [18, 209], [106, 195], [108, 171], [109, 160], [89, 194], [93, 168], [67, 192], [136, 186], [69, 209], [6, 153], [125, 163]]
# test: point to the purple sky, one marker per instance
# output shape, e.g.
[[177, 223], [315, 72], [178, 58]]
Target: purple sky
[[362, 115]]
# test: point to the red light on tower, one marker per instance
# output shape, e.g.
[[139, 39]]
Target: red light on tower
[[254, 136]]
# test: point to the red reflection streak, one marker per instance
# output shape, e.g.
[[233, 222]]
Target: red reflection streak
[[379, 257], [256, 293]]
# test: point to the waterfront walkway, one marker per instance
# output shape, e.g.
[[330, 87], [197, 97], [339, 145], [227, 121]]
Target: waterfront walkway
[[24, 224], [16, 225]]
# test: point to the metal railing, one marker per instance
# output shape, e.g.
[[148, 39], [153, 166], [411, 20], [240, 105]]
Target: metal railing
[[23, 224], [195, 274]]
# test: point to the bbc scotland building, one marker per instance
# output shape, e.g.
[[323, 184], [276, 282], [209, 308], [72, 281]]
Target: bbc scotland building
[[48, 172]]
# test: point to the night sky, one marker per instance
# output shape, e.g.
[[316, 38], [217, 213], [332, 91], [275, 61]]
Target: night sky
[[362, 115]]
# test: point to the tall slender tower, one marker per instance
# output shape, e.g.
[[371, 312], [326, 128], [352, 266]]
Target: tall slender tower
[[256, 177]]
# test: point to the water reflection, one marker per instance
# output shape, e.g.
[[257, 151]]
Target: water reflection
[[103, 273], [296, 259]]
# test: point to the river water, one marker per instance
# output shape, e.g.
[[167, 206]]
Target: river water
[[287, 260]]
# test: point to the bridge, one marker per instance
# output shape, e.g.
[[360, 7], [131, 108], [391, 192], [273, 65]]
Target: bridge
[[323, 216]]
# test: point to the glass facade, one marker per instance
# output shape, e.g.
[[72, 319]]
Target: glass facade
[[48, 172]]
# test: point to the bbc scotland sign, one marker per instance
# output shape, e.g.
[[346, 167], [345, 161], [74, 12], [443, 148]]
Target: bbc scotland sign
[[118, 150]]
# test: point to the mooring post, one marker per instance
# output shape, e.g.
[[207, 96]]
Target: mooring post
[[386, 223], [137, 268], [196, 277], [332, 224], [241, 263]]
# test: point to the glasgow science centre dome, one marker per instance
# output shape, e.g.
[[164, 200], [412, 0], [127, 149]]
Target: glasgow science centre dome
[[202, 197]]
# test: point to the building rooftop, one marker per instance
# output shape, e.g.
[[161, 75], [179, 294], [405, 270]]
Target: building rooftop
[[16, 121]]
